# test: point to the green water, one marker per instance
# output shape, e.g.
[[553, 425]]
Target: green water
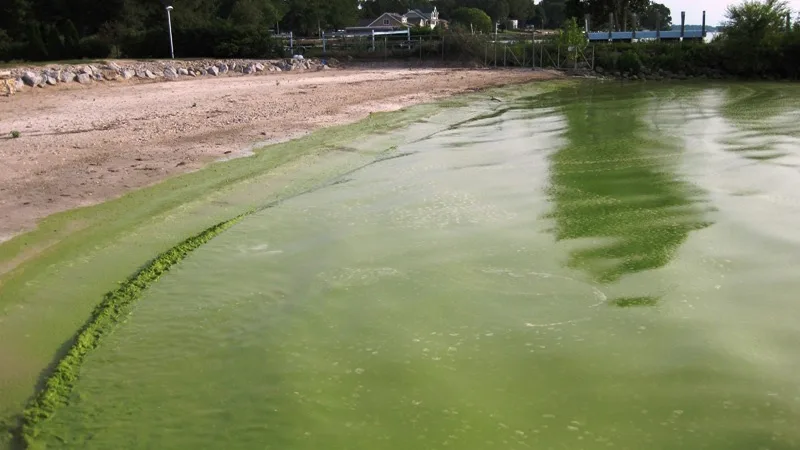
[[598, 267]]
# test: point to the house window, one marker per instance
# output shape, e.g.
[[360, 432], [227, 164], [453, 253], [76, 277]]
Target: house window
[[386, 21]]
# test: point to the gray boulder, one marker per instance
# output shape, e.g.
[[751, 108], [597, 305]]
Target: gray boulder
[[259, 67], [249, 69], [127, 74], [233, 67], [223, 68], [213, 70], [66, 77], [84, 78], [182, 71], [31, 78], [149, 74], [51, 80], [202, 72], [170, 73], [19, 83], [86, 69]]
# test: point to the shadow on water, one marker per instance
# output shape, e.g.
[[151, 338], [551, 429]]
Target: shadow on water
[[613, 187]]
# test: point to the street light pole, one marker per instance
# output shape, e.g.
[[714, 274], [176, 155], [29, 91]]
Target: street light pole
[[169, 23]]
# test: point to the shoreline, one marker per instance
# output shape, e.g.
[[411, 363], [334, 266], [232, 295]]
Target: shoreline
[[80, 146], [51, 279]]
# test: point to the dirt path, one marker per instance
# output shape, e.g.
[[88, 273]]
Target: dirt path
[[83, 145]]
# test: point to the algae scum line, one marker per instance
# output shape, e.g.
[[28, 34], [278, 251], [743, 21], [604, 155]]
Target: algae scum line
[[588, 266]]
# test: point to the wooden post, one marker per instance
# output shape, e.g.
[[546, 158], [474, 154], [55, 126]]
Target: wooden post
[[683, 24], [658, 27], [704, 25]]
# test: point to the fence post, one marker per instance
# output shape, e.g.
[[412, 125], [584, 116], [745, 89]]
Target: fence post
[[420, 48], [323, 43], [485, 54], [558, 57], [291, 44], [505, 51], [442, 47], [385, 49]]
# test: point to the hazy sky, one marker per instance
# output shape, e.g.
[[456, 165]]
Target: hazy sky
[[715, 10]]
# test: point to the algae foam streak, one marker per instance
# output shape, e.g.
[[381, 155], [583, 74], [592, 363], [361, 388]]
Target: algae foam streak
[[599, 266]]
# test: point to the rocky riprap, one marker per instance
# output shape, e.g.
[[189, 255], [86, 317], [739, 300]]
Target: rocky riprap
[[154, 70]]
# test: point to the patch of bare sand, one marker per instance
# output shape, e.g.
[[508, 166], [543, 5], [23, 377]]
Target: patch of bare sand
[[84, 145]]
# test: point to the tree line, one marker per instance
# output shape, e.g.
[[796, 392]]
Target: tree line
[[71, 29]]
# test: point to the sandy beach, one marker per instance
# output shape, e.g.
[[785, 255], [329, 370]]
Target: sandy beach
[[82, 145]]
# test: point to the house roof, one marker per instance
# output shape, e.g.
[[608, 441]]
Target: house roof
[[394, 16], [419, 13]]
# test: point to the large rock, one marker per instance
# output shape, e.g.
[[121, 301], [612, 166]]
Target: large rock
[[170, 73], [109, 74], [84, 78], [223, 68], [182, 71], [149, 74], [112, 66], [249, 69], [259, 67], [140, 73], [31, 78], [51, 80], [86, 69], [66, 77], [213, 70], [19, 84], [233, 67], [202, 72], [127, 74]]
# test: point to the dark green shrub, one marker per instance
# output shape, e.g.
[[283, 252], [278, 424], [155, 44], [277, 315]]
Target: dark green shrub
[[94, 47], [629, 62]]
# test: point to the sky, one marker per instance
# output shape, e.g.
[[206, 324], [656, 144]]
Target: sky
[[715, 10]]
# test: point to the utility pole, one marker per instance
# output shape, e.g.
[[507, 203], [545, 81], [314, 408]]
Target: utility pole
[[169, 24]]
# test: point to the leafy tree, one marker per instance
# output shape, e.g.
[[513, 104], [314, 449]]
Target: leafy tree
[[36, 46], [554, 12], [53, 43], [472, 18], [571, 35], [752, 35], [653, 14], [71, 39]]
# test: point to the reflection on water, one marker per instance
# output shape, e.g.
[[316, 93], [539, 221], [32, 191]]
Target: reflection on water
[[613, 185], [765, 119]]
